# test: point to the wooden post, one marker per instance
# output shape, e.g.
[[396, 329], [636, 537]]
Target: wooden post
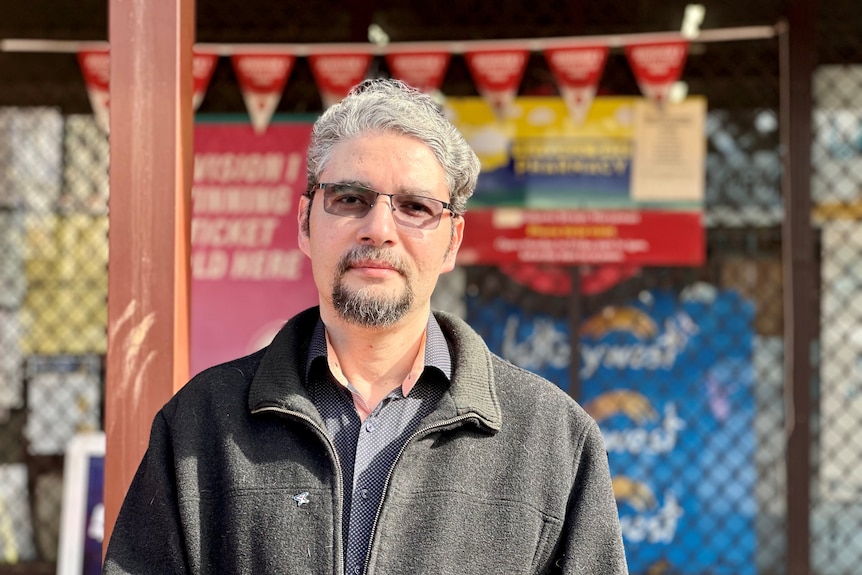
[[148, 270], [798, 55]]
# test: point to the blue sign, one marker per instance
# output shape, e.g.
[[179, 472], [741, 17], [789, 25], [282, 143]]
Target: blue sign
[[83, 514], [669, 379]]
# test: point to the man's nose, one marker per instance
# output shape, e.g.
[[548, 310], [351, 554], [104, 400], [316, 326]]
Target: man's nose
[[384, 199], [378, 225]]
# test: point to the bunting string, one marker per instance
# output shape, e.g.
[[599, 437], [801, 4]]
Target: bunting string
[[496, 66]]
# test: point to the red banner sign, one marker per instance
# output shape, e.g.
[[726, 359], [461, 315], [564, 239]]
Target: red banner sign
[[96, 69], [336, 74], [657, 66], [422, 70], [572, 237], [262, 78], [203, 66], [498, 75], [577, 71]]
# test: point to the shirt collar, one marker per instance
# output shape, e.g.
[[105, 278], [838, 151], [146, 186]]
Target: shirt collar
[[436, 349], [278, 384]]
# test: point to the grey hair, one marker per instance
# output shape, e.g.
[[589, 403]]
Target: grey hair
[[391, 106]]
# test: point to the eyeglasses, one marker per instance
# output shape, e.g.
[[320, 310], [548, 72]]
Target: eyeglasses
[[355, 201]]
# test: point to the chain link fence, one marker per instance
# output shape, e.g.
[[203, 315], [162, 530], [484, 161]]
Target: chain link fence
[[682, 367], [836, 160], [53, 281]]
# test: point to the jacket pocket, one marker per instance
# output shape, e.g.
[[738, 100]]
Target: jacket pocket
[[455, 532]]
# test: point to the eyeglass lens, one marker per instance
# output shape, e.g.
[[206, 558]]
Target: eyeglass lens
[[352, 201]]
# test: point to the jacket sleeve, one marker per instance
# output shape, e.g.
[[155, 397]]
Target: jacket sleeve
[[593, 544], [147, 536]]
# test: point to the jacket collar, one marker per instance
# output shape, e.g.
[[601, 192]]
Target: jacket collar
[[279, 383]]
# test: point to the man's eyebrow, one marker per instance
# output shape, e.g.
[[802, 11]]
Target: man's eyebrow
[[402, 190], [357, 183]]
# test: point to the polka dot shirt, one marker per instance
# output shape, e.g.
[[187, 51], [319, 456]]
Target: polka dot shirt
[[368, 449]]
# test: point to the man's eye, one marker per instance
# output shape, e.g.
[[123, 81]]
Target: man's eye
[[348, 195], [415, 206]]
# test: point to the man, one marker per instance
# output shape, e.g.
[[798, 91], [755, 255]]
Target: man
[[373, 436]]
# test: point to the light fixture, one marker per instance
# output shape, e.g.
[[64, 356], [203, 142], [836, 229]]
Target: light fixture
[[691, 20], [377, 35]]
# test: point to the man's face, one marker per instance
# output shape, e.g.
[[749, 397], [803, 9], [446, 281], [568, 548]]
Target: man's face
[[373, 271]]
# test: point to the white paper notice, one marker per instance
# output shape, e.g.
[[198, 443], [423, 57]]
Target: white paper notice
[[669, 159]]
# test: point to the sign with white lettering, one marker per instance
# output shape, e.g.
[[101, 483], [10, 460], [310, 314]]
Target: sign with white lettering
[[497, 74], [656, 66], [669, 379], [577, 71], [336, 74], [621, 186], [248, 274], [262, 78], [422, 70]]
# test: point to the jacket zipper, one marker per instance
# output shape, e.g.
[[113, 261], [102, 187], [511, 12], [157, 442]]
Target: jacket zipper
[[339, 480], [417, 433]]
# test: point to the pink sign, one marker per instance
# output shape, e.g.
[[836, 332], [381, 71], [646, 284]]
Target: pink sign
[[262, 78], [577, 71], [657, 66], [422, 70], [248, 275], [498, 75], [96, 69], [336, 74]]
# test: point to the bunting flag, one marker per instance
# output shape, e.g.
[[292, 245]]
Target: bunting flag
[[96, 69], [422, 70], [498, 75], [577, 71], [262, 78], [657, 66], [203, 66], [336, 74], [497, 68]]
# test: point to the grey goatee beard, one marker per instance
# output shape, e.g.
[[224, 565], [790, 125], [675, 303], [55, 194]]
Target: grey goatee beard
[[363, 307]]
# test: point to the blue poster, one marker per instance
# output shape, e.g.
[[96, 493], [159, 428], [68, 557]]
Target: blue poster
[[95, 516], [669, 379], [83, 513]]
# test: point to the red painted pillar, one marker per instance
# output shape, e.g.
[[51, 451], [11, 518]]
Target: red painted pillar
[[150, 203]]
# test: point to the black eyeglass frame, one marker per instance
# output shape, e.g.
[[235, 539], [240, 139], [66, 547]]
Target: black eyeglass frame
[[436, 221]]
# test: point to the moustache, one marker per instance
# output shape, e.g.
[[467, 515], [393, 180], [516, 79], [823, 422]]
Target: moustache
[[360, 254]]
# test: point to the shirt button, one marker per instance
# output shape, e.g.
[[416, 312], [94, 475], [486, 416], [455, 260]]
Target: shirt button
[[369, 426], [363, 493], [357, 569]]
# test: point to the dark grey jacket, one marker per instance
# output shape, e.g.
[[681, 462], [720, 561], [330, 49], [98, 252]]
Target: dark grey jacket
[[509, 475]]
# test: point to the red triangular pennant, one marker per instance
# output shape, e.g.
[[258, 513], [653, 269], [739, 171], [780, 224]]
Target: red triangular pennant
[[96, 68], [577, 71], [657, 66], [336, 74], [203, 66], [262, 78], [422, 70], [498, 75]]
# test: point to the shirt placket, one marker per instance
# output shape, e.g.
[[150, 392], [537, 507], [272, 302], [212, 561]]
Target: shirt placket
[[372, 462]]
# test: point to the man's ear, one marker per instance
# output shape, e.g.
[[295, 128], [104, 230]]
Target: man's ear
[[454, 244], [302, 224]]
